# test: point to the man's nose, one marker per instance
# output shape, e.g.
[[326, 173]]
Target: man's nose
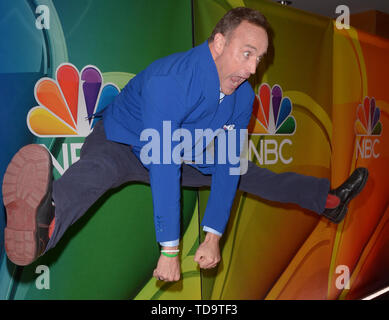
[[252, 67]]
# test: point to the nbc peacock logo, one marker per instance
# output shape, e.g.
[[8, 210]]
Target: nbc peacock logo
[[368, 119], [272, 116], [65, 110], [368, 128], [66, 105], [271, 113]]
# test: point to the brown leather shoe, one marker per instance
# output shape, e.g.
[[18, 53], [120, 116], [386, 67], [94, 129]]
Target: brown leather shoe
[[346, 192], [27, 198]]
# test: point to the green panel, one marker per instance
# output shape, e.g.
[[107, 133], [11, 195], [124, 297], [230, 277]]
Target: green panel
[[124, 35], [110, 253]]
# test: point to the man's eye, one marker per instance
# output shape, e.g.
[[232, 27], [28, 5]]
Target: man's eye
[[246, 54]]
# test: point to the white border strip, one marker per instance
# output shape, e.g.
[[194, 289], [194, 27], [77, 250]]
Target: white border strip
[[374, 295]]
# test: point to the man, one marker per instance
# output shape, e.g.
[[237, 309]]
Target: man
[[203, 88]]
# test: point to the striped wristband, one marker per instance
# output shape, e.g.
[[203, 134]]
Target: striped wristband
[[168, 253]]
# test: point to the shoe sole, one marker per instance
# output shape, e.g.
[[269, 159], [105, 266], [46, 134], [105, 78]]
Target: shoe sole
[[25, 184], [345, 206]]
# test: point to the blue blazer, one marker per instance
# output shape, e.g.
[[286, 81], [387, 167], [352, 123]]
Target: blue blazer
[[182, 88]]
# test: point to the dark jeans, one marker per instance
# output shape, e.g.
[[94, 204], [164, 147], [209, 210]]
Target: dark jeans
[[106, 164]]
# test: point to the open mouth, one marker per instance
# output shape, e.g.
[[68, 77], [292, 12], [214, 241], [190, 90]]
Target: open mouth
[[236, 81]]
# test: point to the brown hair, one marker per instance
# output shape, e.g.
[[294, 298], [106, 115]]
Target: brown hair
[[234, 17]]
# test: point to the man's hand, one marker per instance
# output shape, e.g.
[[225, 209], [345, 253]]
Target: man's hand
[[168, 268], [208, 253]]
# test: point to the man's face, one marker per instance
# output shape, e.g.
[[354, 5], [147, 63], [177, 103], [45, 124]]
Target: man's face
[[238, 53]]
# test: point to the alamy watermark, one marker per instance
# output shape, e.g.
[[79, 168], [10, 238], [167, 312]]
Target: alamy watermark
[[178, 147], [343, 20], [343, 280], [43, 280], [43, 20]]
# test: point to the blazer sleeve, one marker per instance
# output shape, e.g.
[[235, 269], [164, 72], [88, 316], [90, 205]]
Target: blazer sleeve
[[164, 103], [224, 184]]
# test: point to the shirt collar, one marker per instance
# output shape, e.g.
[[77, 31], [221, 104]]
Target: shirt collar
[[222, 95]]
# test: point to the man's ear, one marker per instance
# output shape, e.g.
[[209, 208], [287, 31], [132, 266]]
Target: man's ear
[[219, 43]]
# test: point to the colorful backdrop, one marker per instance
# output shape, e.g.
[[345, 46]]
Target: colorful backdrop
[[334, 81]]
